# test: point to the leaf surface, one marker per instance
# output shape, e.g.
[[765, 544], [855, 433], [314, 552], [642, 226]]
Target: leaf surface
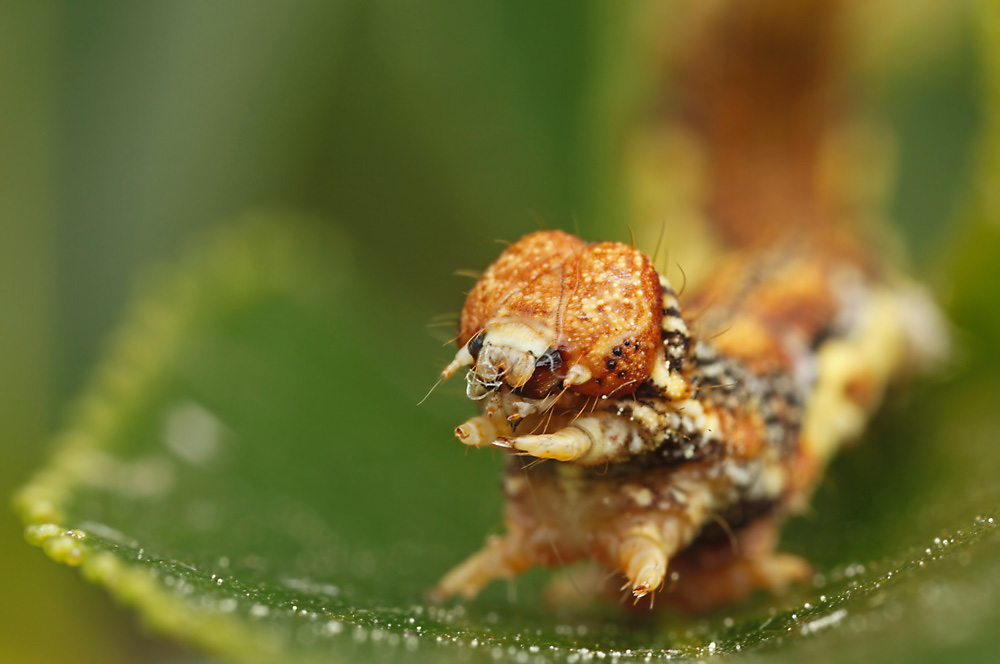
[[250, 469]]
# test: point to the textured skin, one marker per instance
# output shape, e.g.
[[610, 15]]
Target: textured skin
[[722, 429], [594, 297]]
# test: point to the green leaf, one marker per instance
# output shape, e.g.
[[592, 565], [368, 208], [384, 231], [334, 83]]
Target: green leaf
[[251, 471], [249, 468]]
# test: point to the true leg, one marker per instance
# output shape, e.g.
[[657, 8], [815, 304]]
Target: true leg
[[588, 440]]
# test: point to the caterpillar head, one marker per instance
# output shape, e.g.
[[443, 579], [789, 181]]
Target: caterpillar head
[[553, 312]]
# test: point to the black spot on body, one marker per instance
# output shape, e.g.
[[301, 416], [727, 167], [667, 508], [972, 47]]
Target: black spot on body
[[611, 364], [672, 312], [617, 351]]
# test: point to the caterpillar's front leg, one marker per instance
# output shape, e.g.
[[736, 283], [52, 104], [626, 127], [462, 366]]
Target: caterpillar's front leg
[[587, 440], [623, 428]]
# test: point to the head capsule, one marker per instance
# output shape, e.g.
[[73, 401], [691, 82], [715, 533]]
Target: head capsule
[[553, 312]]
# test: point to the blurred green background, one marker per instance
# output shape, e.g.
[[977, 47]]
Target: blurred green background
[[422, 132]]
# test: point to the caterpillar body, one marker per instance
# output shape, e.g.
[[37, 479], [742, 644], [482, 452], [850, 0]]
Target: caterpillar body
[[666, 440]]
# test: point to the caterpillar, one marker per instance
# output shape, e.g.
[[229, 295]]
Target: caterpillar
[[666, 438]]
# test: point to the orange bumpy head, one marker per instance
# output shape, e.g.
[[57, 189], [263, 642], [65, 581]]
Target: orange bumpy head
[[554, 312]]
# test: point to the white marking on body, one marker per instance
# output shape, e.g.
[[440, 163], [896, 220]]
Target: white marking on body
[[638, 494]]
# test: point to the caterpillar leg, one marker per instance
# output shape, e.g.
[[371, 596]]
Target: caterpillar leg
[[503, 413], [477, 431], [727, 572], [642, 555], [503, 557], [587, 440]]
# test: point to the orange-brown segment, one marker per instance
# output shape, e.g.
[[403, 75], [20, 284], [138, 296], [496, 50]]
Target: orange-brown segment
[[602, 301]]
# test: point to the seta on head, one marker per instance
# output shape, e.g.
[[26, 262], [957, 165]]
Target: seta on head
[[554, 312]]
